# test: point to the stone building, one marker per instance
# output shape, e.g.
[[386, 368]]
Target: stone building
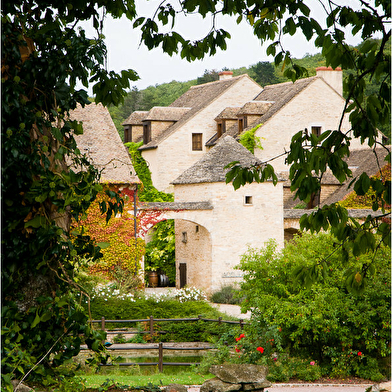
[[175, 137], [188, 145]]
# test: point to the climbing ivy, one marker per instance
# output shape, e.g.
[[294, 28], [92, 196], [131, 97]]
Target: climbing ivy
[[147, 192], [249, 139]]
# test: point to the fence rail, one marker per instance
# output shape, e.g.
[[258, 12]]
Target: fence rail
[[160, 347]]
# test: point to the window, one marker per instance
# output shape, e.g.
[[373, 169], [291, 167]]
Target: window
[[245, 122], [184, 237], [240, 125], [146, 133], [316, 131], [221, 128], [127, 133], [197, 142], [248, 200]]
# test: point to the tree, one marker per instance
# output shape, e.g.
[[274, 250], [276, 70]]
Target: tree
[[46, 181], [345, 334], [263, 73]]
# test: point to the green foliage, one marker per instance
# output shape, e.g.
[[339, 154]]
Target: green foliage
[[227, 295], [249, 140], [345, 334], [263, 73], [46, 180], [148, 191], [115, 309], [160, 251]]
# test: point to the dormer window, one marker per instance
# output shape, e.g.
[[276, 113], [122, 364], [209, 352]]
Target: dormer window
[[146, 132], [240, 125], [221, 128]]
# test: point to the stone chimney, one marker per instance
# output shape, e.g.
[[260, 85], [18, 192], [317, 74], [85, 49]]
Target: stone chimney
[[223, 75], [334, 77]]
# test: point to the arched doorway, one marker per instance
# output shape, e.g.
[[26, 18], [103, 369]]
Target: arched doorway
[[193, 255]]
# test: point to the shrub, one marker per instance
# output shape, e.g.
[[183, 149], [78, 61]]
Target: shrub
[[227, 295], [345, 334]]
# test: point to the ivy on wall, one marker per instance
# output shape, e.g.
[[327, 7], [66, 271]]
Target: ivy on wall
[[249, 140], [121, 252]]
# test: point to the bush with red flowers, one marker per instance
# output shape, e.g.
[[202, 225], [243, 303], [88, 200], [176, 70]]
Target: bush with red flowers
[[341, 333]]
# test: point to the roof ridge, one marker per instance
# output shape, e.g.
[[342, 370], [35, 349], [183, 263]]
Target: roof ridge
[[219, 81]]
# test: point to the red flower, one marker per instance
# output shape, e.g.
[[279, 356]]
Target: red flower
[[237, 350], [359, 353], [260, 350], [237, 339], [242, 336]]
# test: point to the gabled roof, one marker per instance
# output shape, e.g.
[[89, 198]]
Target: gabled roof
[[102, 144], [197, 98], [135, 118], [281, 94], [272, 99], [230, 113], [160, 113], [255, 107], [211, 167]]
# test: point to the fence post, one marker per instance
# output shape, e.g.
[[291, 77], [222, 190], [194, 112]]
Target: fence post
[[152, 328], [219, 320], [241, 323], [160, 356], [103, 323]]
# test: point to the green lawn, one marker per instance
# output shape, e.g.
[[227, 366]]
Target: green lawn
[[184, 378]]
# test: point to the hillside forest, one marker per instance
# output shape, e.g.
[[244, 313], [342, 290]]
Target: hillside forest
[[264, 73]]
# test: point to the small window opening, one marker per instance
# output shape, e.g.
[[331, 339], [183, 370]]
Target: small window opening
[[184, 237], [197, 228], [316, 131], [197, 142], [248, 200]]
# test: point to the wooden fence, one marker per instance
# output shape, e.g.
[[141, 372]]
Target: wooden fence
[[160, 347]]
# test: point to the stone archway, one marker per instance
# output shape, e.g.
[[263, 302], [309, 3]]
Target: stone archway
[[193, 255], [192, 239]]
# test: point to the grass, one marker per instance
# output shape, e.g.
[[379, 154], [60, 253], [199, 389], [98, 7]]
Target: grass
[[183, 378]]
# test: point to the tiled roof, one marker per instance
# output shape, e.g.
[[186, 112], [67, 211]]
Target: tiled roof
[[159, 113], [230, 113], [269, 101], [197, 98], [102, 144], [255, 107], [281, 94], [135, 118], [211, 167]]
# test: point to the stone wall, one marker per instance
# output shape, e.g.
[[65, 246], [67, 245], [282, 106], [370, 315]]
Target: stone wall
[[232, 225], [316, 105]]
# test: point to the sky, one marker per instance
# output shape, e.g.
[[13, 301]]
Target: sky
[[155, 67]]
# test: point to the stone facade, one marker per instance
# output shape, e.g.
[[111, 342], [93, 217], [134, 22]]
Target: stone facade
[[174, 154], [228, 229]]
